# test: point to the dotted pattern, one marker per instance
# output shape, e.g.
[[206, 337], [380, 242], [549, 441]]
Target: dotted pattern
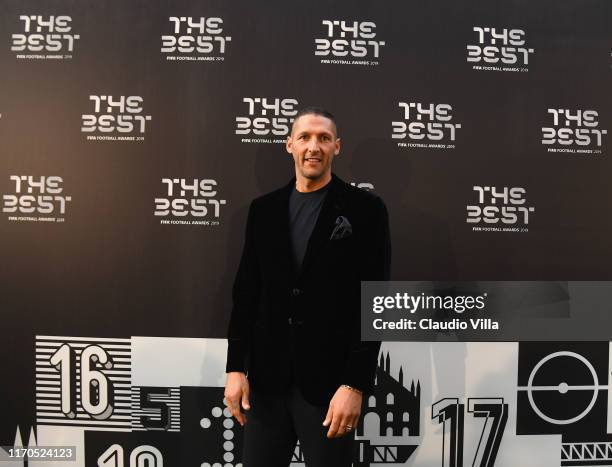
[[228, 435]]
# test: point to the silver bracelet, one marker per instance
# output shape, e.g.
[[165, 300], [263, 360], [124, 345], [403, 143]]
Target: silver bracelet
[[352, 388]]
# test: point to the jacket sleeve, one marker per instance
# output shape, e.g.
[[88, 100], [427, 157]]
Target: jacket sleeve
[[245, 294], [360, 370]]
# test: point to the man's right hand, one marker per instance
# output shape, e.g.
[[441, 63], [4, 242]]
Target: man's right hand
[[236, 393]]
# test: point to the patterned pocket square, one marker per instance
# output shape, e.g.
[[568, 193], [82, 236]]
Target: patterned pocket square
[[342, 229]]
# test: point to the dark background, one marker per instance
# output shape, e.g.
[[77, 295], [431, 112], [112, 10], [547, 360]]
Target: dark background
[[112, 270]]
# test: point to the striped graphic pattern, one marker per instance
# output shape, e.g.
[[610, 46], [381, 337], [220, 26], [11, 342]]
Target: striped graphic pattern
[[169, 397], [49, 384]]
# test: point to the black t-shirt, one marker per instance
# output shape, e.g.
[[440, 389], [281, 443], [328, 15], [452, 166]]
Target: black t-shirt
[[304, 209]]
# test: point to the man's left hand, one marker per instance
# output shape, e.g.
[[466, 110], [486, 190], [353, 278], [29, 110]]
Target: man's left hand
[[343, 413]]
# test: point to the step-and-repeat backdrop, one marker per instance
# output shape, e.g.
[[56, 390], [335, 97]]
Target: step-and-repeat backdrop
[[133, 136]]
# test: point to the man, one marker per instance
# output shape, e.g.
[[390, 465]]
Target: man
[[295, 324]]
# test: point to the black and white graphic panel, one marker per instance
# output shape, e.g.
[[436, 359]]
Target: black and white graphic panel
[[563, 389], [83, 381]]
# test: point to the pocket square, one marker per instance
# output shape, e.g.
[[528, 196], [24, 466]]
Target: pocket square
[[342, 229]]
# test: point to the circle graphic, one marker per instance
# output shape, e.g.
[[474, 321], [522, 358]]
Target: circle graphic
[[563, 388]]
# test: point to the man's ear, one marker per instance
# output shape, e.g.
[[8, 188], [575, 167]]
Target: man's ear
[[288, 144], [337, 149]]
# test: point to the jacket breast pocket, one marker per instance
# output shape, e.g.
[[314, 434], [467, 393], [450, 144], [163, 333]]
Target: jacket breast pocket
[[342, 253], [341, 245]]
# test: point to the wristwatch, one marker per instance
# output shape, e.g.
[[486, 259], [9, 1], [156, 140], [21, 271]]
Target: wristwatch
[[352, 388]]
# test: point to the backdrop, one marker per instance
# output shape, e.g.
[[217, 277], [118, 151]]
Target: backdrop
[[133, 136]]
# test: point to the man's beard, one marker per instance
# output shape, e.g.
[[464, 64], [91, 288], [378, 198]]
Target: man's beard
[[312, 175]]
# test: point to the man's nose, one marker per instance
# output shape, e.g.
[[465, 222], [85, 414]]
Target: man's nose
[[313, 145]]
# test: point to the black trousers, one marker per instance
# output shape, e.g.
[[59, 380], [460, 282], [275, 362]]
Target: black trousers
[[275, 423]]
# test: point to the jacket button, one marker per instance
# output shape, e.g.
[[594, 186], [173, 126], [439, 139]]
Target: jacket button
[[296, 292]]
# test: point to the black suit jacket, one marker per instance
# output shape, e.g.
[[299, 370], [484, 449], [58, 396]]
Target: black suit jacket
[[307, 321]]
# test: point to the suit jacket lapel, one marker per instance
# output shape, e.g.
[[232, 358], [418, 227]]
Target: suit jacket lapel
[[325, 224]]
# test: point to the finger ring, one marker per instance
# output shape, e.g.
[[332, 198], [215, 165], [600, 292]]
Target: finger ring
[[349, 427]]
